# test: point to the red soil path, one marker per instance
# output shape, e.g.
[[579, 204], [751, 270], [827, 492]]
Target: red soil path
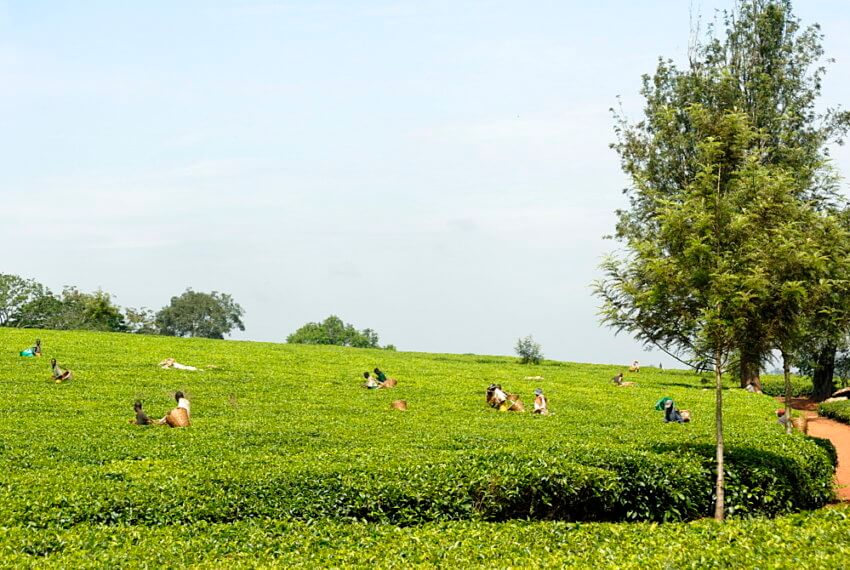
[[838, 434]]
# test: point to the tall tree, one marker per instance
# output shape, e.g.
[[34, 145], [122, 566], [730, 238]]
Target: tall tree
[[736, 239], [140, 321], [15, 293], [800, 262], [42, 312], [765, 65], [96, 311], [72, 310], [777, 66], [336, 332], [196, 314], [826, 330], [693, 262]]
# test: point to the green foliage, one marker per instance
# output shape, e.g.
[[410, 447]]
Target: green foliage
[[286, 432], [97, 312], [774, 385], [43, 311], [27, 304], [15, 293], [140, 321], [196, 314], [72, 310], [289, 461], [805, 540], [839, 411], [764, 70], [333, 331], [828, 447], [529, 352], [701, 273]]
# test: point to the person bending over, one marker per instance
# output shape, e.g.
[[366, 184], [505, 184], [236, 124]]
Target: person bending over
[[142, 418], [59, 374], [618, 381], [179, 416], [370, 382], [383, 380], [34, 351], [495, 395], [541, 403], [671, 412]]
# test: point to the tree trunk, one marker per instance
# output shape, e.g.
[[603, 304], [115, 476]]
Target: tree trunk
[[750, 366], [786, 370], [719, 506], [822, 380]]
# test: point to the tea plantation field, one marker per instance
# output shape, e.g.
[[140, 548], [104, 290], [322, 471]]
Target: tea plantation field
[[290, 461]]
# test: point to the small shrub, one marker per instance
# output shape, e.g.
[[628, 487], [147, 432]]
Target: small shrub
[[529, 351]]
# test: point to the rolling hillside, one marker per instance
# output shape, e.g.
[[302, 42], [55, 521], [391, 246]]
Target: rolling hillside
[[284, 436]]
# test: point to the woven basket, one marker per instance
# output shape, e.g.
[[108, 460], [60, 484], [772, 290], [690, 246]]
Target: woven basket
[[801, 423], [515, 403], [178, 417]]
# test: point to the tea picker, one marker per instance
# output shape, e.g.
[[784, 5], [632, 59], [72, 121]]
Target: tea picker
[[60, 374], [34, 351]]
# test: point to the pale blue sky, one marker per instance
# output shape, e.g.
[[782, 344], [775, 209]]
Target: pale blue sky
[[438, 171]]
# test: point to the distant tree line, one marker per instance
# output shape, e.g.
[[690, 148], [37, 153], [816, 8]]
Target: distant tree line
[[27, 303]]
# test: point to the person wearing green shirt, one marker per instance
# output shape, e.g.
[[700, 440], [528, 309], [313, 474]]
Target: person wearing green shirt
[[34, 351]]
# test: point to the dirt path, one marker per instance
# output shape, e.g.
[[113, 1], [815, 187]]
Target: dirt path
[[838, 433]]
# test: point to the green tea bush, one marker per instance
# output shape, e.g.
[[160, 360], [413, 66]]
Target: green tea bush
[[774, 385], [805, 540], [285, 432], [828, 447], [839, 411]]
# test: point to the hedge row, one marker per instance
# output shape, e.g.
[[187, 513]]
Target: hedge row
[[591, 484], [807, 540]]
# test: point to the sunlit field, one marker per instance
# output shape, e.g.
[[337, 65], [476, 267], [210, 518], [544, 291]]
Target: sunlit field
[[288, 454]]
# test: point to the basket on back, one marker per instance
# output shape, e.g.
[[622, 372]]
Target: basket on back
[[513, 404], [178, 417], [801, 423]]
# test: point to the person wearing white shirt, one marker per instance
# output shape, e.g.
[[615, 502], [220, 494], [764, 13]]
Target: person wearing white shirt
[[179, 416], [541, 404]]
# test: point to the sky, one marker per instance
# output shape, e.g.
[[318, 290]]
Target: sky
[[437, 171]]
